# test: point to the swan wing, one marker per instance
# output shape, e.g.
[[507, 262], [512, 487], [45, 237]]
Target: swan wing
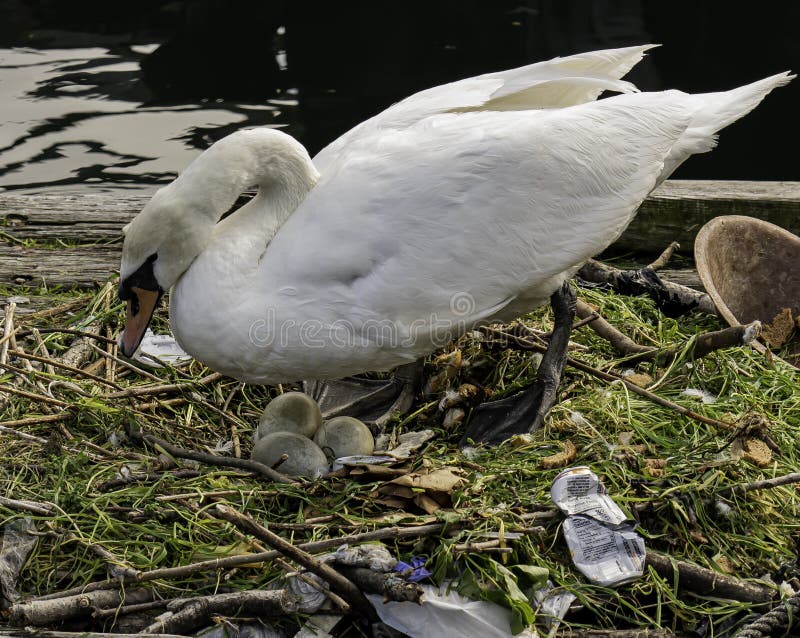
[[462, 215], [553, 83]]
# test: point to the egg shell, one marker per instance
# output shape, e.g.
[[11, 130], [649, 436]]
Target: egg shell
[[305, 457], [290, 412], [345, 436]]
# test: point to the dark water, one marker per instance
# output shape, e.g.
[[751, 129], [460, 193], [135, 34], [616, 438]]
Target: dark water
[[77, 118], [97, 106]]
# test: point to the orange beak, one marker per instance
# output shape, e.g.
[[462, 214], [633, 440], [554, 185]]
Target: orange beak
[[141, 307]]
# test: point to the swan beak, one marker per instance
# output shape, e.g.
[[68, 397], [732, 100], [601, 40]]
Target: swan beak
[[141, 306]]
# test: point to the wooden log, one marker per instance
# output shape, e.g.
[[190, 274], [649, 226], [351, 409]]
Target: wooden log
[[73, 267], [674, 212], [677, 209]]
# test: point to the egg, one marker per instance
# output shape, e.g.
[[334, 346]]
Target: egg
[[290, 412], [344, 436], [305, 457]]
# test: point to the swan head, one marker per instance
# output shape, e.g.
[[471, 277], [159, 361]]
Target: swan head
[[160, 244]]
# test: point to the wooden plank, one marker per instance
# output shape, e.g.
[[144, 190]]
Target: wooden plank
[[675, 211], [78, 267]]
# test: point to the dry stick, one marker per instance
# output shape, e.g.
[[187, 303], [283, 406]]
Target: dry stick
[[127, 364], [148, 477], [32, 395], [483, 547], [217, 494], [707, 582], [621, 342], [246, 603], [41, 613], [46, 313], [34, 507], [37, 420], [389, 585], [766, 484], [146, 390], [338, 583], [8, 331], [664, 257], [66, 331], [247, 559], [116, 566], [237, 448], [132, 609], [213, 459], [42, 346], [704, 344], [64, 366]]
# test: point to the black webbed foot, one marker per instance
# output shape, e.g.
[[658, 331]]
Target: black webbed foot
[[495, 421]]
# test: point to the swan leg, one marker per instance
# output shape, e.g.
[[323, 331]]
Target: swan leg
[[495, 421], [373, 401]]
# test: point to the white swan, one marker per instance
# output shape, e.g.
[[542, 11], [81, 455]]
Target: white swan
[[463, 203]]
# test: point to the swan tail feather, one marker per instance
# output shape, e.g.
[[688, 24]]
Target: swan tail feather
[[715, 111]]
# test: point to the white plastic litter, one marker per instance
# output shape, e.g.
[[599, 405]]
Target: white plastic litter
[[603, 543], [155, 348], [705, 397], [447, 615], [554, 604]]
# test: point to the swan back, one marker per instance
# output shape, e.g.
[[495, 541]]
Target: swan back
[[553, 83]]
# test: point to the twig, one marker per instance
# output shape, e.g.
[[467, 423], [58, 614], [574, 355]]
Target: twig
[[8, 331], [484, 547], [64, 366], [213, 459], [146, 390], [621, 342], [41, 613], [200, 610], [704, 344], [32, 395], [704, 581], [237, 448], [148, 477], [167, 573], [670, 297], [338, 583], [766, 484], [37, 420], [47, 313], [390, 585], [34, 507], [664, 257], [127, 364]]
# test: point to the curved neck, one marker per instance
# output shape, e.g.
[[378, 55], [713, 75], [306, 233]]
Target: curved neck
[[266, 158]]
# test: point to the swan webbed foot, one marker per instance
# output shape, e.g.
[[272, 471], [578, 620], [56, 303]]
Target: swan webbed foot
[[373, 401], [495, 421]]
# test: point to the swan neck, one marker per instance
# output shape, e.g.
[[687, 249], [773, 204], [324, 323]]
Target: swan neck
[[267, 159]]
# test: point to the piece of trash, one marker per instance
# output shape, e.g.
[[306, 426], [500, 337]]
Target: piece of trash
[[414, 571], [554, 604], [445, 613], [310, 590], [319, 626], [370, 555], [18, 543], [409, 443], [705, 397], [562, 458], [604, 544], [156, 350], [777, 331]]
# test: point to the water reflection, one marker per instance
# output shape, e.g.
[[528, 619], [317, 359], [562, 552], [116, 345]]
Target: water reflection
[[81, 118]]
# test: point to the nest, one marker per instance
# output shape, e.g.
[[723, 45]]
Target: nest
[[100, 466]]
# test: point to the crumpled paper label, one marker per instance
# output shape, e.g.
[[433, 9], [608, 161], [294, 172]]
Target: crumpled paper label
[[604, 544]]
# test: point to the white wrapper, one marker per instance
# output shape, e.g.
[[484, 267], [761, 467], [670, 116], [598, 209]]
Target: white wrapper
[[604, 546]]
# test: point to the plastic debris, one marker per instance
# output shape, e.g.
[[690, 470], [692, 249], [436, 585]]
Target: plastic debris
[[156, 350], [447, 614], [705, 397], [18, 543], [554, 604], [414, 571], [604, 544]]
